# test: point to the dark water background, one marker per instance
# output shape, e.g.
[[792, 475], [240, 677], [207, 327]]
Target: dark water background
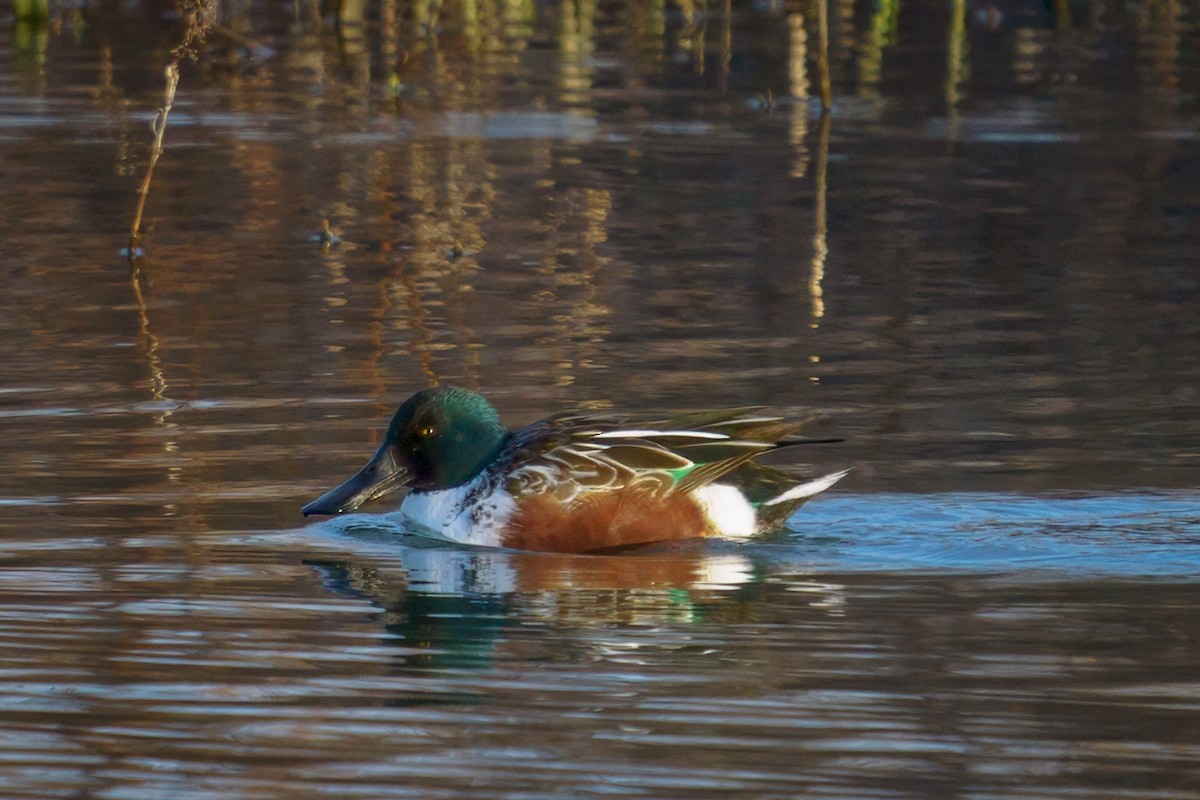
[[983, 271]]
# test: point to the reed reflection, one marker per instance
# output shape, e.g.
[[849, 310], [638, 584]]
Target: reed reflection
[[577, 47], [445, 212], [798, 88], [571, 268], [820, 227], [30, 42], [798, 55], [957, 70], [1160, 28], [881, 33], [693, 32]]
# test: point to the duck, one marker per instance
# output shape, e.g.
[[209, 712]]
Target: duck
[[577, 482]]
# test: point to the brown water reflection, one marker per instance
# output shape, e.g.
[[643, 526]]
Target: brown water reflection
[[235, 677], [982, 268]]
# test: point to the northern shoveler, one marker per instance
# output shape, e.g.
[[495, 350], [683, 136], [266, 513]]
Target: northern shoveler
[[576, 483]]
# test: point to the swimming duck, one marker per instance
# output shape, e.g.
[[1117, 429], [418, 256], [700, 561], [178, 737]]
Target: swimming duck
[[574, 482]]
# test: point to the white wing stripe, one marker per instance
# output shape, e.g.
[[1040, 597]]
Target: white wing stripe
[[635, 433], [808, 489]]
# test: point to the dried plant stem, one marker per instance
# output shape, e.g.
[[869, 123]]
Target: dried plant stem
[[200, 16], [159, 128]]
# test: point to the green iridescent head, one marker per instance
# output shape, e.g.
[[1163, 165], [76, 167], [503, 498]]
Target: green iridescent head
[[438, 439]]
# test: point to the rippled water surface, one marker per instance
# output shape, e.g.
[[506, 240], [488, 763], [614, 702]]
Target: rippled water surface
[[982, 271]]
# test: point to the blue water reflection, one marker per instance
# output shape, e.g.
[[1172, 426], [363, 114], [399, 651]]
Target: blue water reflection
[[1128, 534]]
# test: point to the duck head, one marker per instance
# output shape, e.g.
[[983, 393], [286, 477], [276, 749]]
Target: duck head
[[438, 439]]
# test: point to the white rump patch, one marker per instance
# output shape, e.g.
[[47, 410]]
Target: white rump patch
[[727, 509], [808, 489]]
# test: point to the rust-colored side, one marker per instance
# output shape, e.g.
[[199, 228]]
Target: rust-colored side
[[607, 519]]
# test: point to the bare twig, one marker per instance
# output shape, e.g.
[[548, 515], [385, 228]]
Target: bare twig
[[200, 16], [160, 127]]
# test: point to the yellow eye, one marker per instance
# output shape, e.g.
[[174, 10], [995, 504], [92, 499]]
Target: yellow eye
[[428, 430]]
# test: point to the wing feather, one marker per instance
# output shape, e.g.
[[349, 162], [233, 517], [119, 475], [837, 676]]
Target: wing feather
[[571, 455]]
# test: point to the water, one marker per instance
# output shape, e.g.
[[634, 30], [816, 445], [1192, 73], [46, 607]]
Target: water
[[982, 274]]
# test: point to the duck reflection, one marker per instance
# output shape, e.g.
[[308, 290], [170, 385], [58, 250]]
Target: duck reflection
[[449, 607]]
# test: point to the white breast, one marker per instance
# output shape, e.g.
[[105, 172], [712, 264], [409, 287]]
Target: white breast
[[458, 515]]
